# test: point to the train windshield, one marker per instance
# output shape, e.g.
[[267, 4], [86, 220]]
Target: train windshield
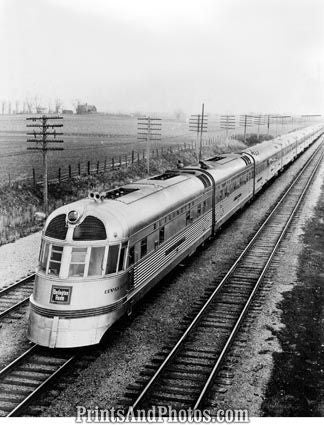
[[68, 262], [50, 258]]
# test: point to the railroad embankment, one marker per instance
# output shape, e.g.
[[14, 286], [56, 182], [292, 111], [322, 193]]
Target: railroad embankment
[[296, 386], [19, 202]]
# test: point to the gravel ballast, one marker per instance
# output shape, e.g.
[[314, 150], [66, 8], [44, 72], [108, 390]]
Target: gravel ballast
[[19, 258]]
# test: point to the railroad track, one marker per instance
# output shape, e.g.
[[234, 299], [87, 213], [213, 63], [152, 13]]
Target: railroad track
[[27, 376], [16, 295], [183, 376]]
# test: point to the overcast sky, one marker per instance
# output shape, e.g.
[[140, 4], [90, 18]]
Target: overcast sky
[[164, 55]]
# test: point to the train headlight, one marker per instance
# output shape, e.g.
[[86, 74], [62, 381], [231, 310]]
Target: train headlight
[[73, 217]]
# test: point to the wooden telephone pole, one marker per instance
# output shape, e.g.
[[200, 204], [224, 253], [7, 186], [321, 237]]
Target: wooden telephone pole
[[246, 121], [43, 140], [148, 129], [198, 123]]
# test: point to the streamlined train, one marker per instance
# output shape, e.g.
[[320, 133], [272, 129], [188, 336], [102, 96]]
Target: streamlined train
[[100, 255]]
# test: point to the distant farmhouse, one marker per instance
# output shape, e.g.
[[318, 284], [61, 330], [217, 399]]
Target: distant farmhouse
[[41, 110], [67, 112], [86, 109]]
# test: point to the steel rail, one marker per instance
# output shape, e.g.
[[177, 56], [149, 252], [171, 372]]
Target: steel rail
[[15, 365], [13, 307], [18, 283], [23, 403], [17, 360], [11, 288], [200, 314]]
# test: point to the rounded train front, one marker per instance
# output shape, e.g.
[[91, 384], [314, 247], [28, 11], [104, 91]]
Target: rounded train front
[[81, 281]]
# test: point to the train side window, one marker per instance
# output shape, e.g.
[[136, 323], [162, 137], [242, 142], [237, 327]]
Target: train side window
[[188, 218], [204, 206], [199, 210], [55, 260], [122, 257], [78, 260], [143, 247], [41, 252], [96, 261], [161, 235], [112, 259], [43, 255], [131, 256]]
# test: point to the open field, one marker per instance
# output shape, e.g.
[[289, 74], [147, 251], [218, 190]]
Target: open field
[[86, 138], [91, 138]]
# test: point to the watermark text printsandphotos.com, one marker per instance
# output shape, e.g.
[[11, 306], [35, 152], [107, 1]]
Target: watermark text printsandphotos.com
[[161, 414]]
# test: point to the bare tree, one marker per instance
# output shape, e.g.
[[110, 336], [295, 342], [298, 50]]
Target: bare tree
[[76, 103], [36, 103], [3, 105], [58, 105], [29, 104], [17, 107]]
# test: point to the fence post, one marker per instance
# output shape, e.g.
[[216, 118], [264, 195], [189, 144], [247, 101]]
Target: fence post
[[34, 178], [97, 167], [70, 171], [105, 166], [88, 168], [132, 157], [143, 154], [126, 159], [59, 175], [79, 169], [138, 158]]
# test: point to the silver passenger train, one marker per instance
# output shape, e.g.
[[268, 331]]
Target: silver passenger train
[[99, 256]]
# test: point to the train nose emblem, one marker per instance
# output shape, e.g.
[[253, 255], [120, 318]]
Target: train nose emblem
[[73, 216]]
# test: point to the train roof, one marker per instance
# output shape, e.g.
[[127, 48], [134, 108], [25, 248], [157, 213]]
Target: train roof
[[141, 202], [263, 150], [224, 166]]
